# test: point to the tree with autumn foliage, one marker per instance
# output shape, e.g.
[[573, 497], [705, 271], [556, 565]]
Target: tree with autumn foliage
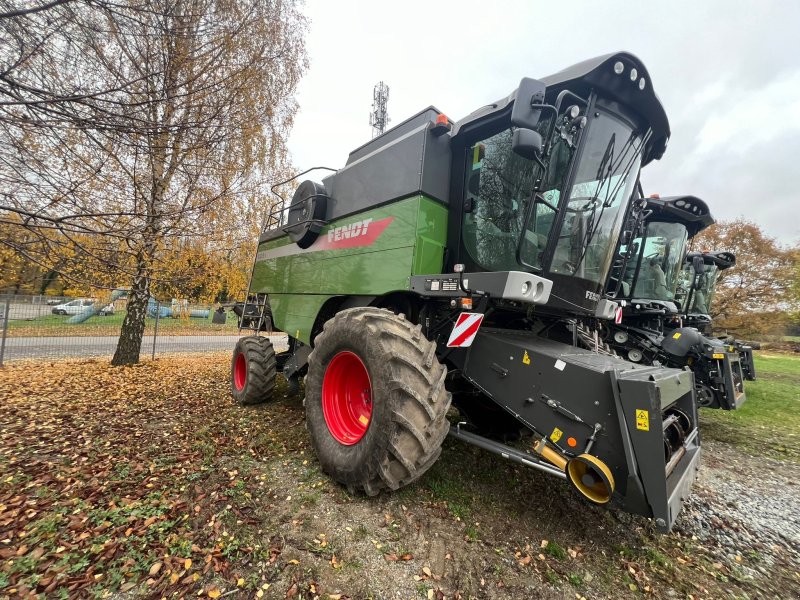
[[760, 291], [135, 131]]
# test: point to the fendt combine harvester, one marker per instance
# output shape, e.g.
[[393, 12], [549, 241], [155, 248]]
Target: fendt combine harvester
[[468, 260], [700, 277], [645, 280]]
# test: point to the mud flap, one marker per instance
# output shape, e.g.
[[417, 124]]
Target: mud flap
[[660, 416]]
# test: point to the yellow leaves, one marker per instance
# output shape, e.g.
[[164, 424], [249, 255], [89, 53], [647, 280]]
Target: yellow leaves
[[213, 592], [155, 568], [240, 582], [335, 563], [187, 564]]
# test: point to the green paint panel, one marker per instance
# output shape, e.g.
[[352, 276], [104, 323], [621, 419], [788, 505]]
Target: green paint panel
[[295, 313], [386, 246], [431, 238]]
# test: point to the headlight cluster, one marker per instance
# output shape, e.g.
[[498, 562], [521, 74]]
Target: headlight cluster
[[691, 207], [619, 69]]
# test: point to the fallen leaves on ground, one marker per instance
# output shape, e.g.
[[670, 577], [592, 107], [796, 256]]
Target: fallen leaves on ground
[[108, 478]]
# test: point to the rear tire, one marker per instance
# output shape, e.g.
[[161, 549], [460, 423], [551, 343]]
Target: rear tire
[[253, 370], [375, 362]]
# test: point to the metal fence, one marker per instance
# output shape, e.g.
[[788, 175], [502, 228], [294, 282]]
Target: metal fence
[[46, 327]]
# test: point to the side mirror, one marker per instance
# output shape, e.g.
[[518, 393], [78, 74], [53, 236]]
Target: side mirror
[[527, 143], [697, 264], [529, 92]]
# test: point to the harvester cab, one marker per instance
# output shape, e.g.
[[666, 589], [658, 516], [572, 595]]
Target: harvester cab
[[696, 293], [646, 279], [701, 271], [466, 261]]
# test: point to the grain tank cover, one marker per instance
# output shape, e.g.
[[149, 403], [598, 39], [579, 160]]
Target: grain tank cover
[[408, 159]]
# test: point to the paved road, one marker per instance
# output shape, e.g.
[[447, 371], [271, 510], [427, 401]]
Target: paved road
[[19, 348]]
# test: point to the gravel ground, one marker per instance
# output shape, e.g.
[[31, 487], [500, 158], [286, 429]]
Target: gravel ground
[[745, 504]]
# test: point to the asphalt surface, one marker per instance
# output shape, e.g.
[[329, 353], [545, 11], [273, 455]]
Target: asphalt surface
[[26, 348]]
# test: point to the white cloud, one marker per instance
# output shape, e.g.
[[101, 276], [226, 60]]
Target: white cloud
[[739, 120]]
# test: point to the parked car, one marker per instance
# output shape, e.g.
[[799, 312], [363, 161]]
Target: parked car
[[79, 305]]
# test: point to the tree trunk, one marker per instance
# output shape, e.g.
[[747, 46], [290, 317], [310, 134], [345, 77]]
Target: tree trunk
[[130, 336]]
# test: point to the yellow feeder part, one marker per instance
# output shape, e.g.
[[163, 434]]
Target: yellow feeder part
[[591, 477]]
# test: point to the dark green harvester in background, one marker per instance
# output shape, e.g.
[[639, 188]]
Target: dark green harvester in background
[[700, 277], [468, 261], [660, 326]]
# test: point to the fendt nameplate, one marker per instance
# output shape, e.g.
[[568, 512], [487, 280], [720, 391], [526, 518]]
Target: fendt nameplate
[[508, 285]]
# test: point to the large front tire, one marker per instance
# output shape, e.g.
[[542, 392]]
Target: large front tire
[[376, 401], [253, 370]]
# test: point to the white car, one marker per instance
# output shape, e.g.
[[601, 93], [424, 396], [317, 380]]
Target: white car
[[78, 306]]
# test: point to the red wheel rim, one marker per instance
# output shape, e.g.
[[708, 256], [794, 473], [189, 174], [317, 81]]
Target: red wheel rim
[[347, 398], [240, 371]]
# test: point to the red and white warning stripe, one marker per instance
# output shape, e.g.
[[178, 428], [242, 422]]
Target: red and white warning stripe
[[465, 329]]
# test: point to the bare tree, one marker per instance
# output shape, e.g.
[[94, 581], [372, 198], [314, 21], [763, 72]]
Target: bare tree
[[133, 125]]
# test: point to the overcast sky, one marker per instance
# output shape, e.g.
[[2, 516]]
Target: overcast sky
[[727, 72]]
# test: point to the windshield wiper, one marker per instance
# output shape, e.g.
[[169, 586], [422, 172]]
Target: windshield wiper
[[611, 168]]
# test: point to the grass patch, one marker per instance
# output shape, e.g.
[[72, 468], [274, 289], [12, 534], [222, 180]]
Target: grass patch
[[555, 550], [49, 325], [446, 486], [769, 421], [575, 579]]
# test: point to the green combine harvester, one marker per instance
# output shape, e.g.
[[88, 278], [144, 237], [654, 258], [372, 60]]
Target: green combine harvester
[[467, 262]]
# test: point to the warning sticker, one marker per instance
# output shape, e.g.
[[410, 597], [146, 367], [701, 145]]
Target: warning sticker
[[556, 435], [526, 359], [676, 335], [363, 420], [718, 356], [465, 329], [642, 420]]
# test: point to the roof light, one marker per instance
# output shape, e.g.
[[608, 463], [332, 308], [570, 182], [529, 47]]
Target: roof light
[[441, 125], [634, 74], [642, 83], [573, 111], [619, 67]]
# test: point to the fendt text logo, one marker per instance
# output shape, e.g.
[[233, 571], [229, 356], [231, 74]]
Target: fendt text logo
[[349, 231], [353, 235]]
